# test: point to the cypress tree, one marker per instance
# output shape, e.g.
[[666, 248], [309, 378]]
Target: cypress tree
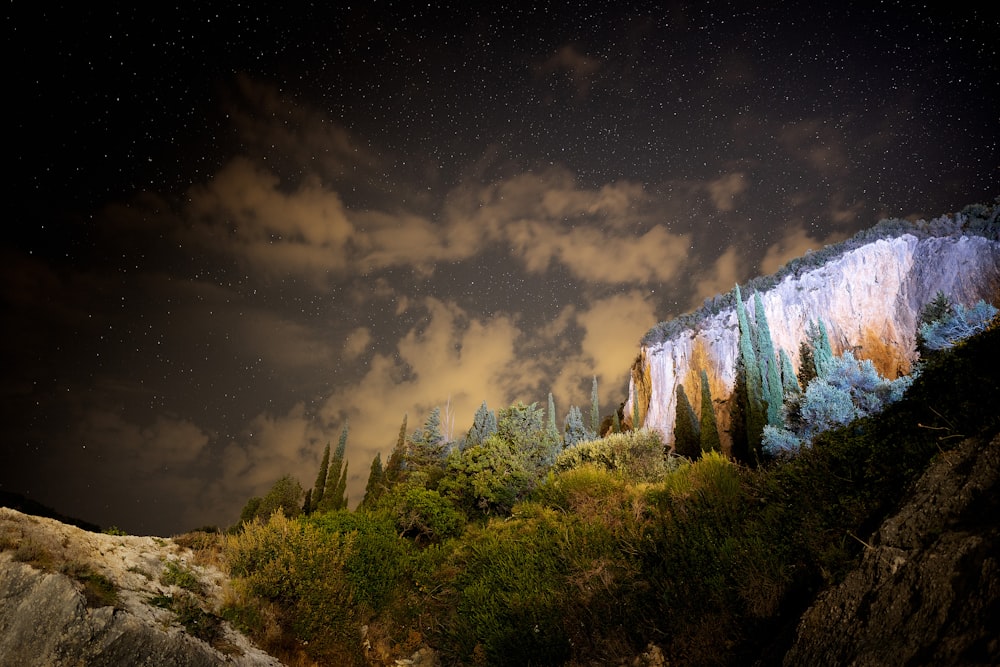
[[320, 485], [375, 485], [807, 365], [709, 428], [394, 467], [334, 497], [553, 429], [635, 413], [755, 413], [307, 503], [768, 362], [687, 440], [822, 352], [595, 409], [789, 383]]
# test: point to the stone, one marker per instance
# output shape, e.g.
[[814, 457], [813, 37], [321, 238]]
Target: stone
[[927, 590], [870, 299]]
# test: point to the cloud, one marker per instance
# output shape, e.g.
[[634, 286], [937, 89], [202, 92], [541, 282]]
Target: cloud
[[357, 342], [795, 243], [723, 190], [723, 275], [612, 329], [243, 212]]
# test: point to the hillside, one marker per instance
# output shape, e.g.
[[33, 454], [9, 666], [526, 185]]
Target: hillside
[[70, 596], [869, 292]]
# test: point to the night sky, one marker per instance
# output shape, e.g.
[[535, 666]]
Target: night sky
[[231, 232]]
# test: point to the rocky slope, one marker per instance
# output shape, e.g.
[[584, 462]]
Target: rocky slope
[[73, 597], [927, 590], [870, 299]]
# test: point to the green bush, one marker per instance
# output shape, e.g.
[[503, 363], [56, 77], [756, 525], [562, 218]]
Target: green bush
[[637, 455], [296, 570]]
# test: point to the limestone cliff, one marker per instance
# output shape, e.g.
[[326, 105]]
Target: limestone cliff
[[869, 297], [73, 597]]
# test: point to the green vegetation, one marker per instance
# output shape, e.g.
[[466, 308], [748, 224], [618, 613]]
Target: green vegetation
[[519, 544], [493, 556]]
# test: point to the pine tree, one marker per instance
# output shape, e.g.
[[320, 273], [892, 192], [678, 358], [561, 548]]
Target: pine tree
[[710, 441], [320, 485], [428, 443], [754, 400], [484, 424], [687, 439], [574, 431], [375, 485], [768, 362], [595, 409]]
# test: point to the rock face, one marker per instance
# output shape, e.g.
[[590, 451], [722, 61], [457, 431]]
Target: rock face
[[69, 597], [869, 298], [927, 591]]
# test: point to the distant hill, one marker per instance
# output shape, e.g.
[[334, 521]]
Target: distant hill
[[18, 502]]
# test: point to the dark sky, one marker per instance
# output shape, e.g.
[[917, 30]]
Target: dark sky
[[233, 231]]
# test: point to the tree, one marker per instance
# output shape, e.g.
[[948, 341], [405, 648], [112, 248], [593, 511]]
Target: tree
[[595, 409], [553, 429], [822, 351], [524, 427], [285, 495], [484, 424], [335, 490], [320, 486], [754, 387], [574, 431], [488, 478], [394, 467], [687, 439], [789, 383], [428, 445], [635, 413], [768, 362], [708, 427], [375, 485]]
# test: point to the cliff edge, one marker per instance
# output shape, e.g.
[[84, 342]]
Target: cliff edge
[[73, 597], [870, 299]]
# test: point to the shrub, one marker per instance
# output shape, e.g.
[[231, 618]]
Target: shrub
[[637, 455], [175, 574], [956, 325], [295, 571]]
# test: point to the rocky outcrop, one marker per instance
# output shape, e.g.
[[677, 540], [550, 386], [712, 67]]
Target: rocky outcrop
[[870, 299], [72, 597], [927, 591]]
